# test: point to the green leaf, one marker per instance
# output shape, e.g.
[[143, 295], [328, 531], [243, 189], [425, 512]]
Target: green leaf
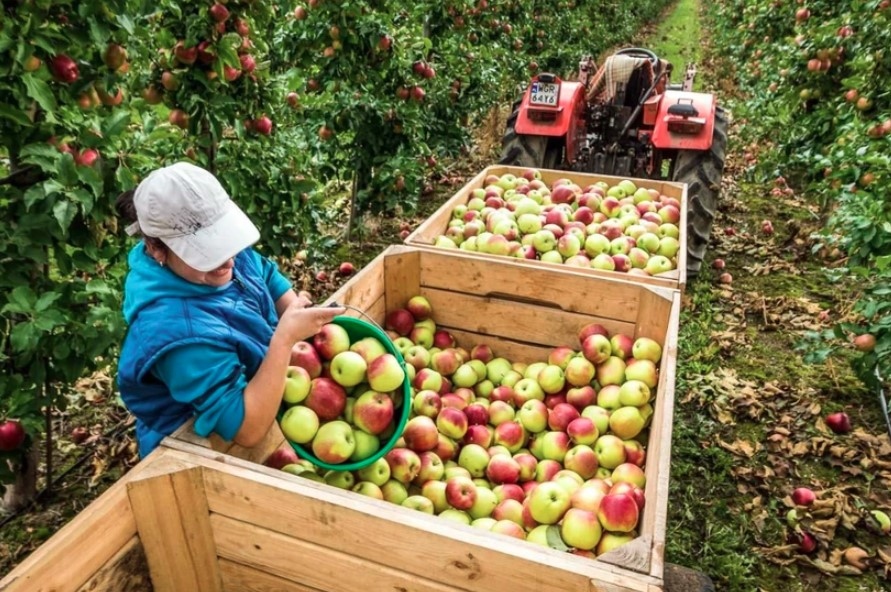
[[34, 194], [555, 541], [126, 23], [15, 115], [21, 300], [67, 170], [64, 211], [98, 287], [24, 337], [116, 124], [46, 300], [40, 92]]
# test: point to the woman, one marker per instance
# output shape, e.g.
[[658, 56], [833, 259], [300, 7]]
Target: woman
[[211, 321]]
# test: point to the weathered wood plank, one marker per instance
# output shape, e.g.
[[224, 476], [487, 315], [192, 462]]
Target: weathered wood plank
[[273, 440], [172, 518], [460, 556], [243, 578], [314, 565], [126, 571]]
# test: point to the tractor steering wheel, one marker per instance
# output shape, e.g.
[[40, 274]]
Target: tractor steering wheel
[[639, 52]]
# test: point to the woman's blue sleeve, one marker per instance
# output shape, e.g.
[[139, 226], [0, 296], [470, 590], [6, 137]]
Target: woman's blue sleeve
[[277, 283], [209, 378]]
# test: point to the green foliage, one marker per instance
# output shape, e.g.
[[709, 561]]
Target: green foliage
[[816, 79]]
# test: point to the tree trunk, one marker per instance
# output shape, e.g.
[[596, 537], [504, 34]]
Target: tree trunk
[[23, 490]]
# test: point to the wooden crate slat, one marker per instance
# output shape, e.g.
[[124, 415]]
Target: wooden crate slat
[[656, 513], [363, 290], [317, 566], [328, 516], [126, 571], [173, 521], [49, 568], [570, 290], [508, 319], [243, 578], [401, 278]]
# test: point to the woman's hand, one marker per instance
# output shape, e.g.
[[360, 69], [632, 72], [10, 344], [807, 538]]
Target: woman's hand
[[300, 320]]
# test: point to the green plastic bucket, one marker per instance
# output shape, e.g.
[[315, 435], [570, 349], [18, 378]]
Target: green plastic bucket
[[357, 329]]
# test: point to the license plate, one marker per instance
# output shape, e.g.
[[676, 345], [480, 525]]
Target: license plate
[[544, 93]]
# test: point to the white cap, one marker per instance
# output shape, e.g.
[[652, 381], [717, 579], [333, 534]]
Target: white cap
[[186, 207]]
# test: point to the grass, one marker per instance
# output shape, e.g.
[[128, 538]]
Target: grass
[[677, 39]]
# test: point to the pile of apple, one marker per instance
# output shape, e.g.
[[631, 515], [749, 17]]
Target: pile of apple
[[341, 395], [614, 228], [550, 451]]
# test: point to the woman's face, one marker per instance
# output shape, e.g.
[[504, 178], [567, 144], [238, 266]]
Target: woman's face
[[216, 278]]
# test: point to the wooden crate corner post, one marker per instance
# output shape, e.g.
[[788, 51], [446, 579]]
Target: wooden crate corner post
[[173, 522]]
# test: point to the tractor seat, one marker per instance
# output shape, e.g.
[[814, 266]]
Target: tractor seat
[[683, 110], [635, 73]]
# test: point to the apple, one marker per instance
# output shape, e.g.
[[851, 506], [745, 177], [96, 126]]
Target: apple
[[418, 356], [629, 473], [348, 368], [404, 464], [611, 371], [608, 397], [326, 398], [634, 393], [500, 412], [579, 371], [528, 464], [599, 415], [555, 445], [334, 442], [420, 434], [400, 320], [509, 528], [882, 521], [634, 452], [482, 435], [533, 415], [299, 424], [658, 264], [422, 335], [613, 540], [368, 489], [509, 508], [385, 373], [645, 348], [426, 402], [369, 348], [561, 416], [551, 379], [280, 457], [372, 411], [297, 385], [366, 445], [419, 503], [642, 370], [503, 469], [580, 529], [303, 354], [419, 307], [839, 422], [482, 352], [527, 389], [331, 340], [596, 348], [477, 413], [589, 495], [435, 492], [445, 448], [803, 496], [626, 422], [582, 396], [610, 450], [618, 512], [474, 459], [510, 434], [484, 504], [548, 502], [460, 493], [452, 422], [582, 430], [340, 479]]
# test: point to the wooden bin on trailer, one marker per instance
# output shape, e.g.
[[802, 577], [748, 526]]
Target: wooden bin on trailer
[[200, 514], [425, 235]]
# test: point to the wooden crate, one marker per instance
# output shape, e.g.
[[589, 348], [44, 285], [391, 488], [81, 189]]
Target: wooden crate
[[183, 520], [425, 234], [522, 314]]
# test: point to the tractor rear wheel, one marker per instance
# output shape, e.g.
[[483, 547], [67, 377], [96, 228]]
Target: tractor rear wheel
[[702, 170], [544, 152]]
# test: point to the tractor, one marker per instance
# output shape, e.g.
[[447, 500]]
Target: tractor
[[626, 119]]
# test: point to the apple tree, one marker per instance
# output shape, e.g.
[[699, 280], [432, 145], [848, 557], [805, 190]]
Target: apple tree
[[64, 97]]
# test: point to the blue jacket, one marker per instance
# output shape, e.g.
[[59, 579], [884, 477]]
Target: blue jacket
[[191, 349]]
